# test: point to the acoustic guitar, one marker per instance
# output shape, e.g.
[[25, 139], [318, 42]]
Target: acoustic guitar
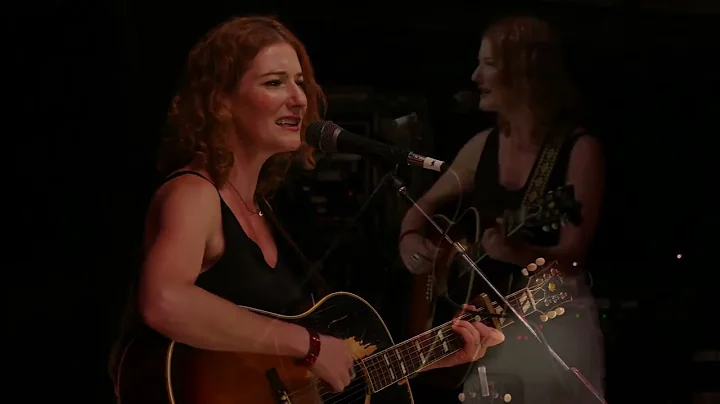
[[437, 295], [155, 370]]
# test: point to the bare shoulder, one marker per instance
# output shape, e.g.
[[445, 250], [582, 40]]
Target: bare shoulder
[[186, 199], [479, 139], [183, 218], [586, 146], [460, 177], [484, 134], [587, 163], [469, 155]]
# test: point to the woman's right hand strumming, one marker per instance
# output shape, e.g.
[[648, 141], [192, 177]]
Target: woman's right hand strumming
[[334, 364], [417, 252]]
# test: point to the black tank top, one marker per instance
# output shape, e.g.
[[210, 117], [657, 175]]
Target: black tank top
[[241, 275], [491, 198]]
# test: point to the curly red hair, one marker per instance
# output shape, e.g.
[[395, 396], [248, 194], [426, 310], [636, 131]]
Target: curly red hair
[[531, 64], [214, 67]]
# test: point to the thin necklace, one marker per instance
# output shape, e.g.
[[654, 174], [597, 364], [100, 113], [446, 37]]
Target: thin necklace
[[257, 207]]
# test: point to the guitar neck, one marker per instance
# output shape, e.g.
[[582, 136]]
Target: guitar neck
[[407, 358]]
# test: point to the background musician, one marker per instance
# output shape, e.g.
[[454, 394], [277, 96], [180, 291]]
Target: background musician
[[523, 80]]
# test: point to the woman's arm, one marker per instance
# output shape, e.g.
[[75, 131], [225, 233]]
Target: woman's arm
[[448, 186], [185, 211]]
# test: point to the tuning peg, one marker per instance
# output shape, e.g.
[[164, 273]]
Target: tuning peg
[[544, 318], [525, 272], [532, 267], [546, 228], [507, 397], [560, 311], [551, 314], [540, 261], [555, 226], [461, 397]]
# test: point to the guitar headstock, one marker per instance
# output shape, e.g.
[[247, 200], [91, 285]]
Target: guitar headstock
[[555, 208], [546, 288]]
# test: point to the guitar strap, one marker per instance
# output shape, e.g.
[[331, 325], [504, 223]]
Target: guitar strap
[[540, 176], [537, 187]]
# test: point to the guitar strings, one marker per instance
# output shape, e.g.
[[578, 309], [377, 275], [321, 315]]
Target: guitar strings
[[515, 299], [379, 371], [347, 394], [323, 391], [382, 371], [361, 387], [410, 351], [412, 355], [424, 343]]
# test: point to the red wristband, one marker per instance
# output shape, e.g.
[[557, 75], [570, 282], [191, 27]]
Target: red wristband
[[313, 350]]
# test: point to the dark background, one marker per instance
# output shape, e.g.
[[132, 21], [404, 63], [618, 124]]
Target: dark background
[[89, 84]]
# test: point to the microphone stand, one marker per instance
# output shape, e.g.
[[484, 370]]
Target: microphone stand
[[361, 212], [590, 390]]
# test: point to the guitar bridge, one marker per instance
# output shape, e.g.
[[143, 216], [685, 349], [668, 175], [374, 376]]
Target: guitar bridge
[[279, 389]]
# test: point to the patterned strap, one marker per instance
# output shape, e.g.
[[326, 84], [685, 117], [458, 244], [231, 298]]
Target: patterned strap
[[541, 174]]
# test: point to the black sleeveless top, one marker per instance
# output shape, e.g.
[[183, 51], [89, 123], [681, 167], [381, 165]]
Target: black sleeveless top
[[491, 198], [241, 275]]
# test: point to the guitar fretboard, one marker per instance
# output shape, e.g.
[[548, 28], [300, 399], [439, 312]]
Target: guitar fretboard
[[402, 360], [406, 358]]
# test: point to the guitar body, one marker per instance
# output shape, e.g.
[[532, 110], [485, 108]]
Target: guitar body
[[156, 370], [429, 309], [425, 286]]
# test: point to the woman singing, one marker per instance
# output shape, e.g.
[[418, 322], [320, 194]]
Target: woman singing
[[521, 78], [248, 96]]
